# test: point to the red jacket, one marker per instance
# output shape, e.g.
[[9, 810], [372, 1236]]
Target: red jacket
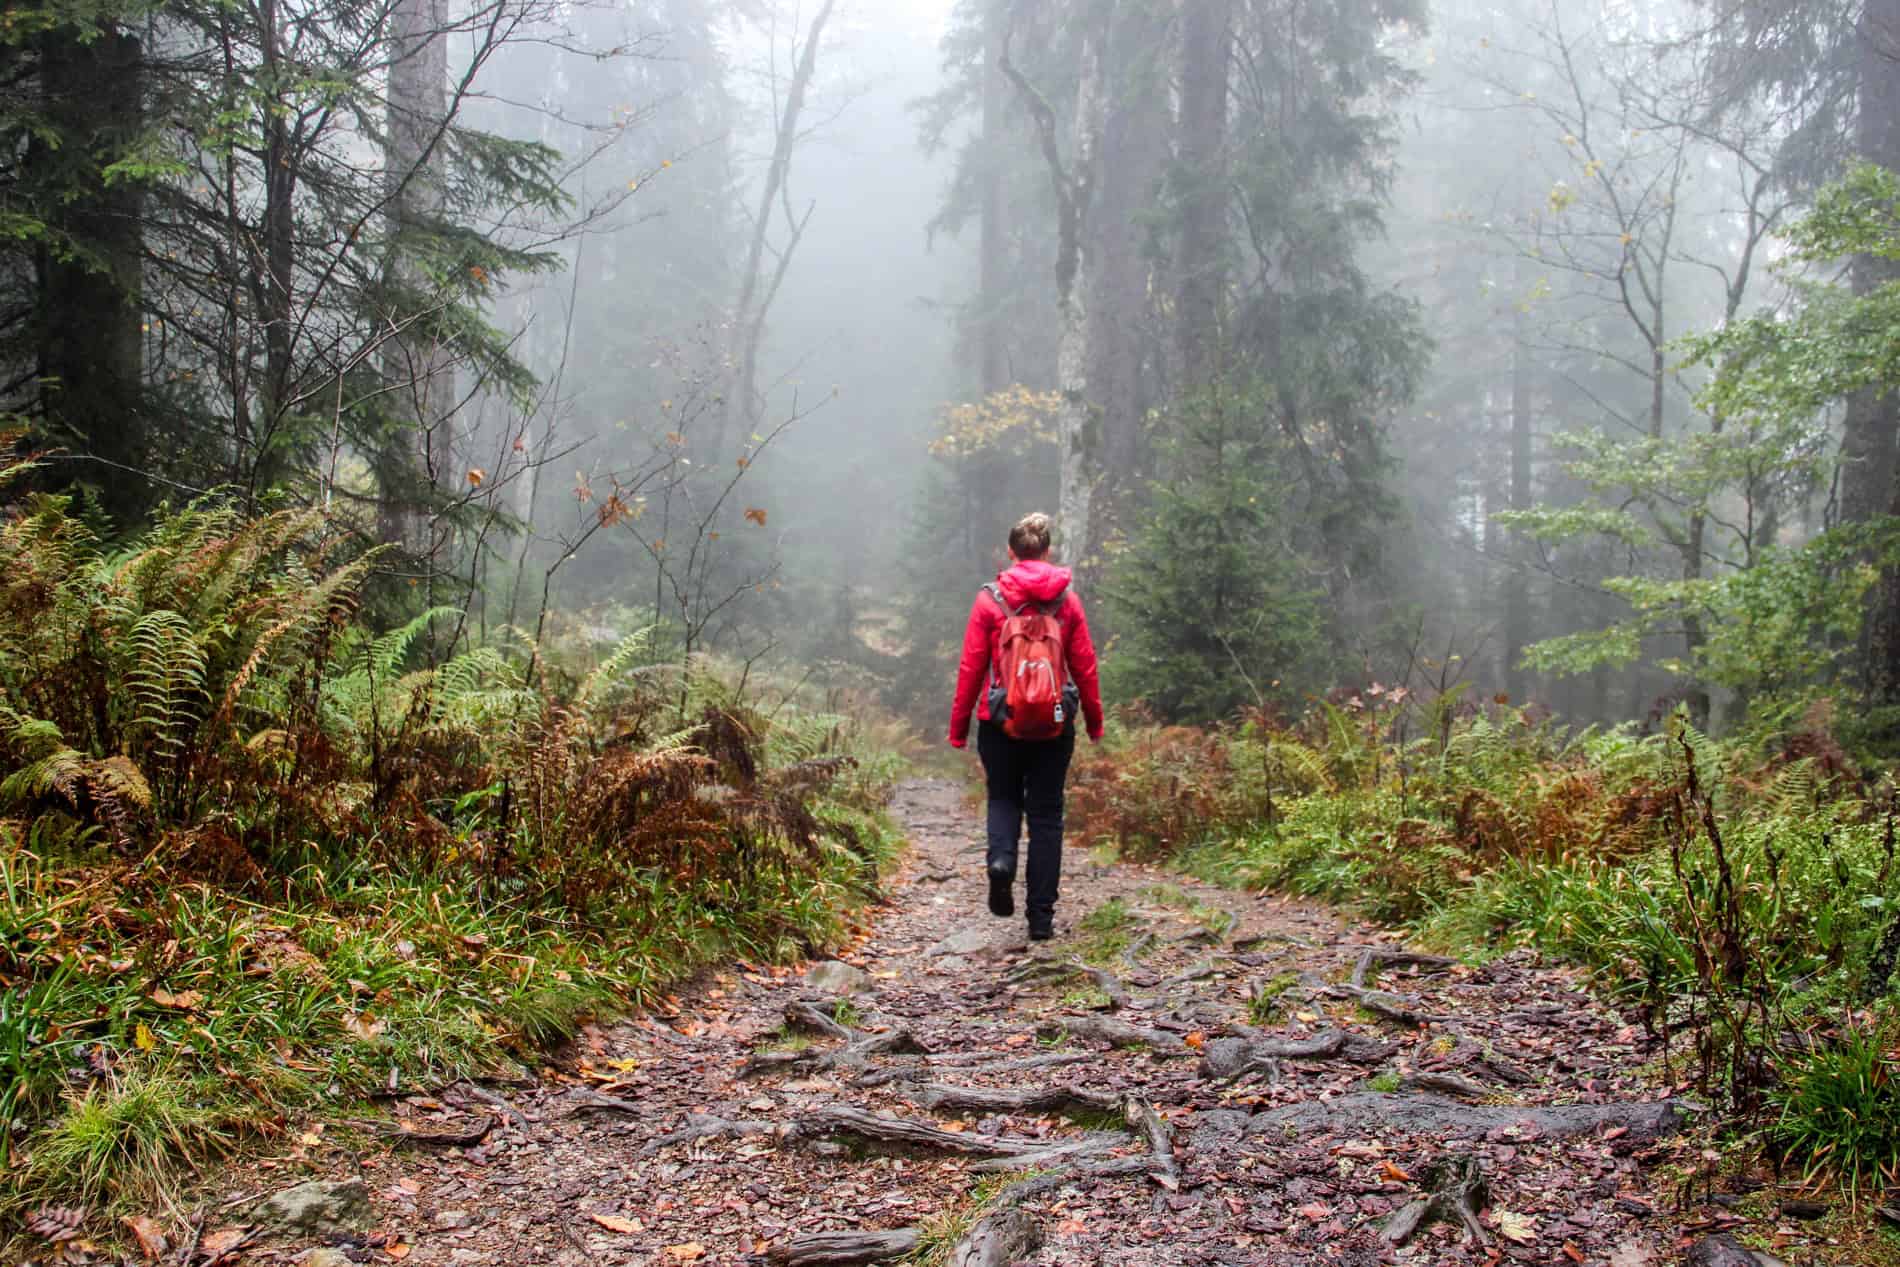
[[1033, 581]]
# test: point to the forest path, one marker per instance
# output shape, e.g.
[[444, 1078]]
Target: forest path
[[1116, 1111]]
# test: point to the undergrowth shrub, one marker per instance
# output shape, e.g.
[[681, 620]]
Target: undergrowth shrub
[[1734, 892], [251, 847]]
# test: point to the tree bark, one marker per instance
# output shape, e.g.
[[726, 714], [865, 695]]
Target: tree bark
[[1517, 595], [90, 341], [1207, 45], [993, 250], [1134, 151], [1078, 437], [414, 457], [1868, 475], [1077, 431]]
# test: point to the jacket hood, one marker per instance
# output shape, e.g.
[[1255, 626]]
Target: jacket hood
[[1032, 581]]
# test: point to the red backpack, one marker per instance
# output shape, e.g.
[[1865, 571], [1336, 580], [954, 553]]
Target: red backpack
[[1029, 679]]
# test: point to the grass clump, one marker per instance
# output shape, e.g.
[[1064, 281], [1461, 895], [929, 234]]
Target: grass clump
[[1837, 1111], [1266, 1006], [1105, 932]]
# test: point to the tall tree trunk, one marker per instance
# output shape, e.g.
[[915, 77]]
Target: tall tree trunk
[[1868, 476], [756, 289], [993, 251], [1134, 151], [416, 453], [1517, 595], [273, 289], [1207, 46], [1077, 433], [90, 343], [1078, 438]]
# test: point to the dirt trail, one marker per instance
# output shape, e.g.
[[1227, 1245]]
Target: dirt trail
[[1120, 1111]]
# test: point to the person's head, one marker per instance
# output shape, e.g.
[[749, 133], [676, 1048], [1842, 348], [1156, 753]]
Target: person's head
[[1029, 539]]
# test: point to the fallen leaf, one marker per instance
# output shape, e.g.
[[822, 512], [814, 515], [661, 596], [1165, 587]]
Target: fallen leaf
[[222, 1245], [397, 1251], [143, 1038], [1388, 1171], [1196, 1040], [756, 515], [1071, 1227], [1316, 1211], [150, 1237], [184, 1001], [362, 1026], [691, 1251], [1571, 1252], [615, 1223], [1513, 1226]]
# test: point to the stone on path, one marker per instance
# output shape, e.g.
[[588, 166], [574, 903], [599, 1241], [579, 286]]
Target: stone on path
[[832, 977], [318, 1208], [965, 941]]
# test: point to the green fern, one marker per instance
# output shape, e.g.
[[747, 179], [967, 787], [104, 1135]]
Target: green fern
[[621, 663], [166, 678]]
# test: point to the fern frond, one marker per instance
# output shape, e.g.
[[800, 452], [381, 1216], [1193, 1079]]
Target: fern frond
[[166, 679], [619, 662]]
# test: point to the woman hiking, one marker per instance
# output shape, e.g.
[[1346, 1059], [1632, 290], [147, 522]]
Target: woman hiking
[[1027, 663]]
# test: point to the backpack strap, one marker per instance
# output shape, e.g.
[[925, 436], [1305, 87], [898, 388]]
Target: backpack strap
[[1054, 606], [995, 591]]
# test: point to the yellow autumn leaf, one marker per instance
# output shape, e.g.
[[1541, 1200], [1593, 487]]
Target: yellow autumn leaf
[[143, 1037]]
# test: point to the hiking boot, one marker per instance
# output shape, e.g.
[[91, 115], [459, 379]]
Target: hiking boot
[[1002, 896], [1041, 932]]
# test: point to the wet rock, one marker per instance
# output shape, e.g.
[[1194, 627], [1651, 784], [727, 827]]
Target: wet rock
[[454, 1220], [319, 1208], [1724, 1250], [965, 941], [832, 977], [325, 1258]]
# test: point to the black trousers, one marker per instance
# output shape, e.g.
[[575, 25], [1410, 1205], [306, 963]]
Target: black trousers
[[1025, 779]]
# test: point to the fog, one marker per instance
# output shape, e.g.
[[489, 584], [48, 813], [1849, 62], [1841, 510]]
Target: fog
[[1349, 344]]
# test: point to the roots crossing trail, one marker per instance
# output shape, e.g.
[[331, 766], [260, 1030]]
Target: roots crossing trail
[[1185, 1075]]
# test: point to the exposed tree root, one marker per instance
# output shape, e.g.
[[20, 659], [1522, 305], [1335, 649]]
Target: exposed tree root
[[588, 1100], [1459, 1195], [1063, 970], [437, 1139], [1057, 1099], [1445, 1084], [836, 1249], [1385, 1005], [1119, 1033], [1430, 1115], [998, 1239], [702, 1126], [1141, 1116], [1375, 958], [876, 1128], [805, 1018]]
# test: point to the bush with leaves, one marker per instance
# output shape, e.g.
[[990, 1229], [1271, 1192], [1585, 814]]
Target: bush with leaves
[[1734, 892], [225, 801]]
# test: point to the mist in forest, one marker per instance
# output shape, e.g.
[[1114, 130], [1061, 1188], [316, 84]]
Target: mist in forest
[[1454, 348]]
